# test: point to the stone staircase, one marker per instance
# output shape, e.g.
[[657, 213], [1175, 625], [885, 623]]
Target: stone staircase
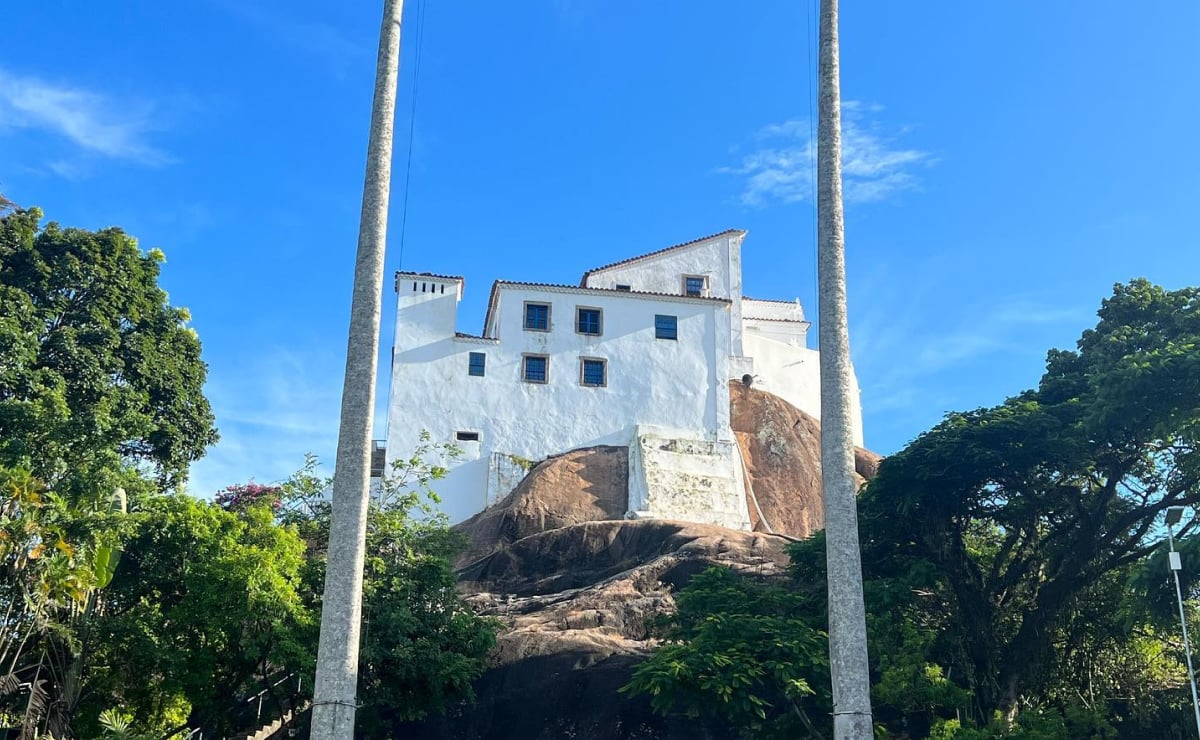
[[268, 731]]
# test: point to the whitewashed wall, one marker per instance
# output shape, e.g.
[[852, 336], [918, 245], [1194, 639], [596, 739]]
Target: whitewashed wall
[[717, 258], [678, 384], [793, 372]]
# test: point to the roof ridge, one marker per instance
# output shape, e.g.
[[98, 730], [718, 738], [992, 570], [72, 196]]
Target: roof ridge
[[657, 252], [411, 273], [791, 302]]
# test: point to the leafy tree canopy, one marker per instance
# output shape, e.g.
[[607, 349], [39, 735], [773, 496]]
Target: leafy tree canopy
[[1013, 569], [209, 604], [422, 644], [1012, 514], [744, 651], [97, 370]]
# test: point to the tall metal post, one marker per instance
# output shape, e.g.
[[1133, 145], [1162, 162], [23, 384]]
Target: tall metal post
[[847, 613], [1176, 563], [335, 690]]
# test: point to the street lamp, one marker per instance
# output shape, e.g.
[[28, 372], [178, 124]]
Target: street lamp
[[1174, 514]]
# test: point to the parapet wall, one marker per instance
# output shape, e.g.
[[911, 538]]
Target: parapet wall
[[672, 476]]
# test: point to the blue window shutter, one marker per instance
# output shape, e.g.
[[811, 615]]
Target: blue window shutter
[[537, 316], [588, 321], [666, 327], [593, 372], [535, 369]]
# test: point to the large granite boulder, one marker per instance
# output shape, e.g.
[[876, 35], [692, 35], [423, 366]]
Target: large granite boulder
[[781, 446], [574, 583]]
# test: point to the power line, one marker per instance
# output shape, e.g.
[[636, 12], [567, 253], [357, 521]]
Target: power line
[[412, 121], [811, 41]]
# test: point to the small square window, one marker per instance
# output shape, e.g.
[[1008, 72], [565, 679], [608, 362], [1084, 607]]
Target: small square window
[[537, 316], [535, 369], [476, 362], [666, 327], [694, 285], [593, 372], [624, 288], [466, 436], [587, 321]]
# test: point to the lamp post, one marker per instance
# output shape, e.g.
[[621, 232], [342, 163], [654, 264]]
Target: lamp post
[[1174, 514]]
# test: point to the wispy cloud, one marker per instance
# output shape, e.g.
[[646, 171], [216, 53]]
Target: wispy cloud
[[272, 407], [914, 364], [98, 124], [573, 13], [1029, 312], [783, 166]]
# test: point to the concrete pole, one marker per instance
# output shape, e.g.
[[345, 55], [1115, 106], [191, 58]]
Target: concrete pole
[[336, 685], [847, 615], [1175, 563]]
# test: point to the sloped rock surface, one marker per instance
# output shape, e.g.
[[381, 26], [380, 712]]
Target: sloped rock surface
[[781, 446], [575, 602], [585, 485]]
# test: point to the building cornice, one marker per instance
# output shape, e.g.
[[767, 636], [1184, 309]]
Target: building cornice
[[405, 275]]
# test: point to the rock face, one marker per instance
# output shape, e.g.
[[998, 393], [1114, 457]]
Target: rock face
[[781, 447], [575, 602], [575, 584], [586, 485]]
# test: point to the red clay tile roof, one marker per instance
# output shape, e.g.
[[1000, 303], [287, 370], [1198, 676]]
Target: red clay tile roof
[[589, 273]]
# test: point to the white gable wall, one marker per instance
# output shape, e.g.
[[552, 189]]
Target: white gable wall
[[793, 372], [719, 259]]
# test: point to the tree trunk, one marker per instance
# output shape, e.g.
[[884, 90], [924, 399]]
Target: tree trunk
[[847, 614], [341, 613]]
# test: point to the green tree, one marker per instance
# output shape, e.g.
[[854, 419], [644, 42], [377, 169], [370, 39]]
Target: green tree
[[1015, 512], [98, 372], [206, 608], [744, 651], [55, 557], [422, 645], [1014, 571]]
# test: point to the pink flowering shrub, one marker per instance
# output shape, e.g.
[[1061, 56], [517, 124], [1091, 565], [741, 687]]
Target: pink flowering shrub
[[242, 496]]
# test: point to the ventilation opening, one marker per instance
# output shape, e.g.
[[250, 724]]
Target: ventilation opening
[[625, 288], [378, 458], [467, 436]]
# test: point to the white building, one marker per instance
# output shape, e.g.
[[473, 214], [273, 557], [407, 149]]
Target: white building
[[640, 354]]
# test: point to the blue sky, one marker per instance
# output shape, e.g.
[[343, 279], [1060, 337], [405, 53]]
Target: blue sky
[[1006, 164]]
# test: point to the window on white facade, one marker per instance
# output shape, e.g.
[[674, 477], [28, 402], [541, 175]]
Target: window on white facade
[[535, 369], [695, 285], [666, 327], [537, 316], [466, 436], [593, 372], [588, 321], [624, 288], [476, 362]]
